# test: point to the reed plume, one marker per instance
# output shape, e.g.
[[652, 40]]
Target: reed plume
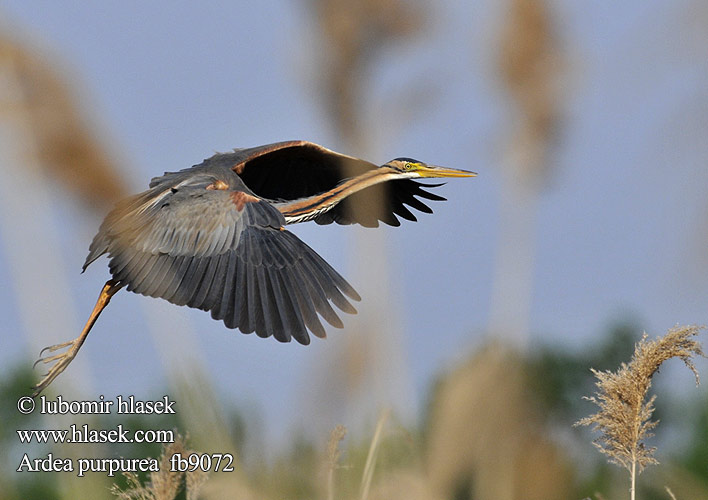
[[164, 484], [625, 414]]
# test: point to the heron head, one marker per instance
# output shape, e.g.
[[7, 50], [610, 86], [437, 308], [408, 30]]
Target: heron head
[[411, 168]]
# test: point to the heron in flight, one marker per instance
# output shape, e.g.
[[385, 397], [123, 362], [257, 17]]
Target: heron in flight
[[213, 237]]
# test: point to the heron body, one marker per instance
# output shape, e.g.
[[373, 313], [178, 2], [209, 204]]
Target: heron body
[[213, 237]]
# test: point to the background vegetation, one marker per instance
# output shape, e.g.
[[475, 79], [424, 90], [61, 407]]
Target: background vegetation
[[498, 418], [497, 425]]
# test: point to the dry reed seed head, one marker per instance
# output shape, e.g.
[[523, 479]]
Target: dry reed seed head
[[354, 33], [164, 484], [530, 63], [624, 417], [133, 491], [527, 45], [63, 138], [194, 482], [333, 452], [352, 27]]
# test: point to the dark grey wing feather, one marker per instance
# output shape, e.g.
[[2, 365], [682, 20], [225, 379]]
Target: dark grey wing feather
[[389, 200], [198, 247]]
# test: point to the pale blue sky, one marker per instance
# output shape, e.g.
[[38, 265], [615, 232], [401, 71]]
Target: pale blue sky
[[620, 221]]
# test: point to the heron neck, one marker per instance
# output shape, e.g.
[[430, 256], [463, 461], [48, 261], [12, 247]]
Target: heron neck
[[305, 209]]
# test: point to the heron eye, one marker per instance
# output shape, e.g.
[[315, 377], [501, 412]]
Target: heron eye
[[408, 166]]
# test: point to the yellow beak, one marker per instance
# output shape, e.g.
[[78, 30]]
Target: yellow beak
[[435, 171]]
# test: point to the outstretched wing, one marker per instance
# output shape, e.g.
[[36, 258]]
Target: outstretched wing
[[222, 251], [299, 169]]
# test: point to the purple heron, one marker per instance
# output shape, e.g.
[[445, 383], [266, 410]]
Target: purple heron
[[213, 237]]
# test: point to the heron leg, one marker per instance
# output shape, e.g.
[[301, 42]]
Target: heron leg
[[62, 360]]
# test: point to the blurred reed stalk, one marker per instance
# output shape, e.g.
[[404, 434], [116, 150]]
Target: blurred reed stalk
[[368, 474], [332, 457], [62, 140], [492, 391], [202, 412], [46, 144], [624, 418], [529, 68], [354, 35], [487, 434], [45, 139]]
